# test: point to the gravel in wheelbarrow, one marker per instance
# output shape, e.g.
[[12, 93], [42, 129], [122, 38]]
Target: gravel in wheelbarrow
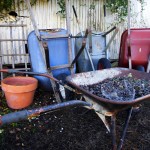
[[113, 88], [126, 88]]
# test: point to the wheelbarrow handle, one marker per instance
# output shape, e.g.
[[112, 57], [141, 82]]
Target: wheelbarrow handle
[[38, 74], [81, 49], [29, 73], [75, 13], [109, 31], [29, 114]]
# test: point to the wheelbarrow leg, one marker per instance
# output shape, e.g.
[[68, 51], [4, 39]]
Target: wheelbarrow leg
[[113, 131], [148, 66], [99, 110], [125, 129], [103, 118]]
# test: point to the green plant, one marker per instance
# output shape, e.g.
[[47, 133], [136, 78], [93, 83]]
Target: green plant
[[6, 5], [62, 6], [92, 6], [142, 4], [120, 8]]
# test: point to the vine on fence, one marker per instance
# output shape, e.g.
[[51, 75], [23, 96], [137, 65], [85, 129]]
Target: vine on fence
[[117, 7], [120, 8], [62, 6]]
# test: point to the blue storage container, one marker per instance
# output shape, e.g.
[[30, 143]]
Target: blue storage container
[[57, 51], [98, 51]]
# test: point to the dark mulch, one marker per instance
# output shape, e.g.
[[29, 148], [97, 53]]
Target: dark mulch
[[71, 129]]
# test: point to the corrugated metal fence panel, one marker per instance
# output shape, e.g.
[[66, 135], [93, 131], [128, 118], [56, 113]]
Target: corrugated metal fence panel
[[46, 17]]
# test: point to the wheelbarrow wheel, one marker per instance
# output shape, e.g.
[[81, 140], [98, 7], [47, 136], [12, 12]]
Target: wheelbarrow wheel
[[140, 68], [64, 93], [103, 63]]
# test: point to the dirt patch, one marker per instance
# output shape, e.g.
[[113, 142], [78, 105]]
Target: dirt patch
[[71, 129]]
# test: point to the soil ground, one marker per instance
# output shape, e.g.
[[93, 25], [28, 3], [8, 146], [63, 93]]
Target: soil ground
[[71, 129]]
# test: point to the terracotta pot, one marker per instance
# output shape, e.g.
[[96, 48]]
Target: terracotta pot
[[19, 91]]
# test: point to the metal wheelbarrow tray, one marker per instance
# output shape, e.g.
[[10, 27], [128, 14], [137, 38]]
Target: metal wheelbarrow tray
[[106, 107], [93, 77]]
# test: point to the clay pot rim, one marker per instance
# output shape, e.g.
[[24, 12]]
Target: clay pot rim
[[19, 88], [19, 77]]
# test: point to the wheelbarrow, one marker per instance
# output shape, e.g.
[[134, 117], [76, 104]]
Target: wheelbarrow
[[134, 51], [105, 107], [102, 106]]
